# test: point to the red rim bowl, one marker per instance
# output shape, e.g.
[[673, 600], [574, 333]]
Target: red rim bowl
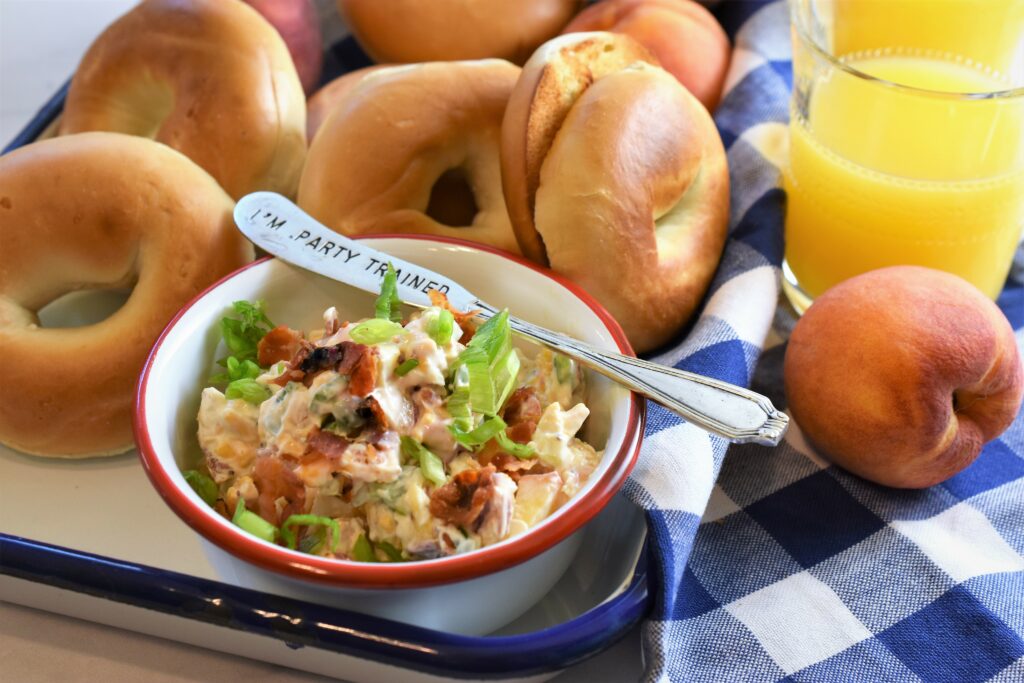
[[416, 574]]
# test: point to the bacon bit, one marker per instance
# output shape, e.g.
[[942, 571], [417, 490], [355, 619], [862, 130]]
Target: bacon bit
[[364, 372], [327, 444], [463, 500], [522, 406], [464, 320], [492, 454], [293, 372], [522, 413], [273, 480], [380, 418], [280, 344]]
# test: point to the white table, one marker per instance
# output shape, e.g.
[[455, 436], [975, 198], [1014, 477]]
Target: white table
[[41, 42]]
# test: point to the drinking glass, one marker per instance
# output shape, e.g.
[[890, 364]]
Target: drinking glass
[[906, 140]]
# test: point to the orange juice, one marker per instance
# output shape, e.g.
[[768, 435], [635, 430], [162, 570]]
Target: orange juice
[[882, 175]]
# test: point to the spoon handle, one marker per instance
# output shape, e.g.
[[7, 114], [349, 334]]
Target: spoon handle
[[732, 412]]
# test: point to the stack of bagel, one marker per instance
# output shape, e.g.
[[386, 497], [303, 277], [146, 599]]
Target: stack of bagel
[[589, 159]]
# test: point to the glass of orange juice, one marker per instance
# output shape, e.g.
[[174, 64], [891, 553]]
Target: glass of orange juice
[[906, 140]]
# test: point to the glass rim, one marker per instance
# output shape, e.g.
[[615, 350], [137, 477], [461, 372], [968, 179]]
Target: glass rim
[[798, 26]]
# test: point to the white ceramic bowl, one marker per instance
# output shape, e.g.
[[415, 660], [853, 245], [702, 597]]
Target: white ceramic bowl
[[472, 593]]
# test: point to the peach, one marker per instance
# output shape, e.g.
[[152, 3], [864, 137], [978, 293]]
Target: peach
[[685, 38], [902, 374], [299, 25]]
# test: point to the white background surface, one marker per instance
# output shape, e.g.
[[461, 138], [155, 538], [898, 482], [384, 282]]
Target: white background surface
[[41, 42]]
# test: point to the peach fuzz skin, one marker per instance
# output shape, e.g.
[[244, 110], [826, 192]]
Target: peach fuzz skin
[[902, 374], [686, 39]]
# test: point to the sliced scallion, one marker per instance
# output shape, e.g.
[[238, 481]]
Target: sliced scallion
[[248, 390], [441, 326], [331, 525], [406, 366], [253, 523], [393, 553], [202, 485], [388, 305], [520, 450], [362, 550], [487, 430], [430, 465], [375, 331]]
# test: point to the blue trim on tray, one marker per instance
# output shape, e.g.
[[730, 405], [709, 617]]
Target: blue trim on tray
[[302, 624]]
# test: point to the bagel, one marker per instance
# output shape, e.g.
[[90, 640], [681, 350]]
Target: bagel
[[328, 97], [98, 211], [211, 78], [414, 149], [404, 31], [631, 197]]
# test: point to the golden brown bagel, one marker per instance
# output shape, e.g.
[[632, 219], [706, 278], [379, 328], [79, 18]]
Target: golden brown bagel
[[210, 78], [98, 211], [328, 97], [441, 30], [415, 149], [632, 198], [550, 83]]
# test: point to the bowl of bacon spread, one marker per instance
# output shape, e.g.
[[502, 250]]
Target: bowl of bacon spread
[[339, 443]]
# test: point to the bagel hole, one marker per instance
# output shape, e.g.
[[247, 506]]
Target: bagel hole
[[452, 201], [83, 307]]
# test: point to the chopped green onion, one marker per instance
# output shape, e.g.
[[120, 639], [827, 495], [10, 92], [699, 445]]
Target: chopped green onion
[[310, 520], [563, 369], [253, 523], [491, 364], [314, 538], [388, 304], [430, 465], [482, 398], [393, 553], [520, 450], [202, 485], [504, 375], [249, 390], [362, 551], [236, 370], [441, 326], [406, 366], [375, 331], [243, 334], [458, 400], [487, 430], [494, 336]]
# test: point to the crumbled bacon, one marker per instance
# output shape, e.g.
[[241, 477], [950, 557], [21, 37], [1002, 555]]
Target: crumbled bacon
[[363, 377], [514, 467], [522, 413], [274, 479], [463, 500], [377, 414], [464, 320], [293, 372], [328, 444], [280, 344]]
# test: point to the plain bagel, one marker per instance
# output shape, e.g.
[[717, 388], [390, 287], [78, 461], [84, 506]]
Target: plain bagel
[[415, 149], [632, 191], [321, 104], [98, 211], [404, 31], [210, 78]]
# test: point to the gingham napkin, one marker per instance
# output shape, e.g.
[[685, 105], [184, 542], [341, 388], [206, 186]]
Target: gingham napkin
[[773, 564]]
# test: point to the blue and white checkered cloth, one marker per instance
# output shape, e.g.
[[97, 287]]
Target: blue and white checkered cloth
[[773, 564]]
